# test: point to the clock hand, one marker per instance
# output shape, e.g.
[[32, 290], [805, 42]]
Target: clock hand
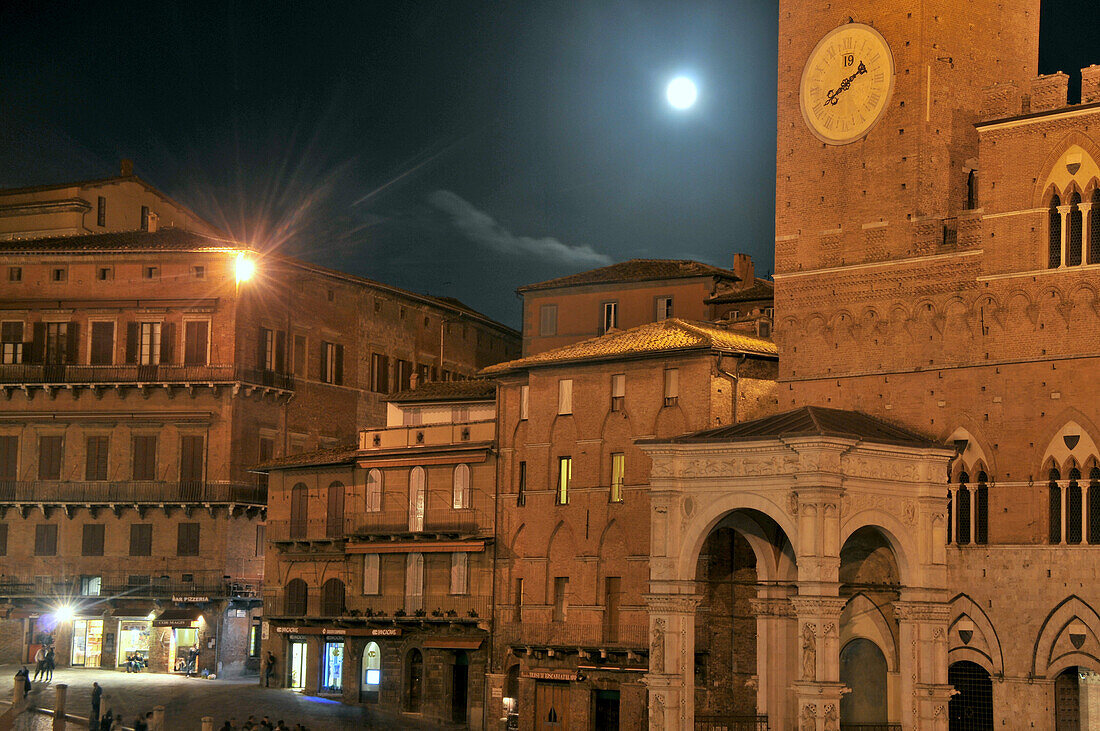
[[834, 94]]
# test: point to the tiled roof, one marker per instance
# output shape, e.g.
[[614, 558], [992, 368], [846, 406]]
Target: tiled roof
[[333, 455], [636, 270], [809, 421], [477, 389], [165, 239], [761, 290], [655, 338]]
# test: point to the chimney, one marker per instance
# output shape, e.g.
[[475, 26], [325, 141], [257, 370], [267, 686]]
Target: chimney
[[126, 167], [1090, 84], [154, 221], [743, 268]]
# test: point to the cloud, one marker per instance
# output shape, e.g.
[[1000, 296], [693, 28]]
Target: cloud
[[480, 228]]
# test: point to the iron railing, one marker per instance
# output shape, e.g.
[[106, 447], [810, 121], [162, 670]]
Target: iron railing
[[434, 520], [23, 374], [870, 727], [631, 634], [210, 584], [429, 607], [130, 491], [730, 723]]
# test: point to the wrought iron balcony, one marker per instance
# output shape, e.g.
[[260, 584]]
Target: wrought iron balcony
[[426, 608], [208, 584], [75, 375], [626, 634], [436, 520], [56, 492]]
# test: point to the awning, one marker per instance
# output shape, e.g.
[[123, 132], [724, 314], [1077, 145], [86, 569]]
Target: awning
[[449, 644], [187, 617]]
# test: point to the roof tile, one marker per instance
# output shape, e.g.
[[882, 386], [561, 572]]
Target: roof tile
[[636, 270]]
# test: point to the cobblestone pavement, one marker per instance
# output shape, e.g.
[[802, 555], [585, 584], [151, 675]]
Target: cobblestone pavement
[[186, 701]]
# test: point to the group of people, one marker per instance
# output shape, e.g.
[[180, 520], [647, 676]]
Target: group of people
[[108, 720], [44, 663], [264, 724]]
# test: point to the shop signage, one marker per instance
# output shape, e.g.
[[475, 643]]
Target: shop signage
[[551, 674], [266, 631], [341, 632], [175, 622], [184, 598]]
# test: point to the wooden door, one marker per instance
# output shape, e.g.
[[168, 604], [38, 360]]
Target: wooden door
[[191, 464], [551, 706]]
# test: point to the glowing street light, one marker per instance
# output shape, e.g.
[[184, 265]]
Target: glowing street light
[[64, 613], [681, 92], [245, 268]]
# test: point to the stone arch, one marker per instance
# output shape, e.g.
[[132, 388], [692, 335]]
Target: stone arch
[[518, 539], [977, 451], [1071, 443], [897, 535], [612, 542], [1055, 649], [984, 646], [862, 618], [708, 517], [1059, 176]]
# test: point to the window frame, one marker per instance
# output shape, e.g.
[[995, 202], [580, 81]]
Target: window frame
[[618, 477], [609, 315], [563, 479], [668, 309], [548, 320]]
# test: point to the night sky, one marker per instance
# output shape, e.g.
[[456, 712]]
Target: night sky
[[454, 148]]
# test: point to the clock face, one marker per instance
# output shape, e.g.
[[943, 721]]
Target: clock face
[[846, 83]]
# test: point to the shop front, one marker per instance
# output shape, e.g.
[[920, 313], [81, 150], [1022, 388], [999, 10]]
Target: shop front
[[179, 631], [135, 638], [332, 666], [87, 643]]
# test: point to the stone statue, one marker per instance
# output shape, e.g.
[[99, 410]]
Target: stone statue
[[809, 652], [830, 718], [657, 714], [657, 647], [808, 720]]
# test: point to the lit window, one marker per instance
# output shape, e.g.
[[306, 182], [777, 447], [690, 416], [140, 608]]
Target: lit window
[[672, 386], [524, 401], [618, 391], [610, 316], [150, 343], [372, 668], [618, 474], [332, 363], [565, 473], [521, 485]]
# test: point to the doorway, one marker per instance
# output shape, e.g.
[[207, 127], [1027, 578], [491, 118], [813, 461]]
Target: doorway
[[863, 669], [87, 642], [297, 665], [332, 667], [972, 708], [414, 681], [551, 706], [460, 685], [605, 710], [1067, 701]]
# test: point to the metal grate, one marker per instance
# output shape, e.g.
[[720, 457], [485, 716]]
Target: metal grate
[[1055, 507], [963, 531], [1055, 243], [731, 723], [1073, 507], [972, 708], [1094, 505]]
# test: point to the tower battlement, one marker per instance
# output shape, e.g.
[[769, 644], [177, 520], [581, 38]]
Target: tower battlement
[[1045, 93]]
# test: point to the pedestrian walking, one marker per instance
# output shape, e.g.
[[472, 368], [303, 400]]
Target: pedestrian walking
[[50, 663], [40, 663], [97, 697], [269, 668]]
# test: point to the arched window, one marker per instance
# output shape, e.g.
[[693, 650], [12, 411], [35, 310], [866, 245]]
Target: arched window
[[972, 190], [372, 672], [332, 598], [414, 680], [295, 598], [461, 488], [1094, 505], [1055, 241], [1073, 507], [417, 496], [981, 510], [374, 491], [1094, 228], [1073, 248], [334, 517], [460, 562], [972, 705], [950, 518], [299, 510], [962, 529], [1054, 494]]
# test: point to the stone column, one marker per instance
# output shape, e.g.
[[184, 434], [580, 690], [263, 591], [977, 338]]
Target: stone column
[[1086, 512], [953, 513], [1062, 492], [671, 676], [922, 639], [1086, 232], [776, 658], [1063, 211], [817, 668]]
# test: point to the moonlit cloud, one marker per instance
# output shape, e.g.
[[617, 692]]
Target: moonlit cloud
[[481, 228]]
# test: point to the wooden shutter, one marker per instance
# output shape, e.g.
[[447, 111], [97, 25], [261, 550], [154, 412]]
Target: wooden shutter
[[92, 544], [38, 343], [45, 540], [145, 458], [133, 341], [49, 457], [191, 463], [9, 458], [96, 458], [459, 570], [72, 342], [300, 356], [196, 333], [335, 513], [325, 349], [167, 342], [141, 539], [187, 540], [371, 572], [339, 355], [565, 396], [103, 343], [299, 507], [280, 351]]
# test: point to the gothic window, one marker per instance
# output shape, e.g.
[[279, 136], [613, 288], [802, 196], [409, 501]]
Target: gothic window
[[1055, 498], [1073, 252], [963, 510], [981, 510], [950, 518], [1094, 505], [1073, 507], [1055, 235], [1094, 228]]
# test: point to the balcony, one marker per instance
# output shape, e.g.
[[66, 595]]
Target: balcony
[[210, 584], [459, 521], [50, 492], [428, 435], [627, 635], [389, 609], [60, 375]]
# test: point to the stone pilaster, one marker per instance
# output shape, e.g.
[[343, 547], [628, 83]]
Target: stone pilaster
[[818, 688], [671, 676], [776, 658], [922, 634]]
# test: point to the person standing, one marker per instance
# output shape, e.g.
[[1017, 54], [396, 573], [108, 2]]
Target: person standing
[[40, 663], [50, 659], [269, 668], [97, 697]]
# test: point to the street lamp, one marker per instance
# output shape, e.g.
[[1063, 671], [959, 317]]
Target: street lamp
[[245, 268]]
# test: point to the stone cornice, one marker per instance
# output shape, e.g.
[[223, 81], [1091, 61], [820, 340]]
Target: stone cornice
[[673, 603]]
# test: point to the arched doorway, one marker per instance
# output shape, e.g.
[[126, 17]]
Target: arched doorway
[[372, 673], [972, 708], [863, 669], [511, 698], [1067, 700], [460, 685], [414, 680]]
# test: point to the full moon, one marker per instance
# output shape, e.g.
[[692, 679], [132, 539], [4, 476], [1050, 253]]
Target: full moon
[[681, 92]]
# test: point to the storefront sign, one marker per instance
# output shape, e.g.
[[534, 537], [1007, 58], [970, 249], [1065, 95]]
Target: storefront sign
[[183, 599], [265, 630], [551, 674], [341, 631], [497, 693]]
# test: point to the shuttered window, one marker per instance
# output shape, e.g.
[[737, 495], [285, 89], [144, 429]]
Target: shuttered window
[[672, 386], [414, 581], [11, 342], [50, 450], [334, 517], [145, 457], [332, 363], [618, 391], [141, 539], [299, 362], [379, 373], [103, 344], [371, 573], [92, 543], [460, 497], [374, 491], [9, 458], [187, 540], [565, 396], [197, 337], [45, 540], [299, 507], [460, 573], [96, 458], [403, 373], [149, 343]]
